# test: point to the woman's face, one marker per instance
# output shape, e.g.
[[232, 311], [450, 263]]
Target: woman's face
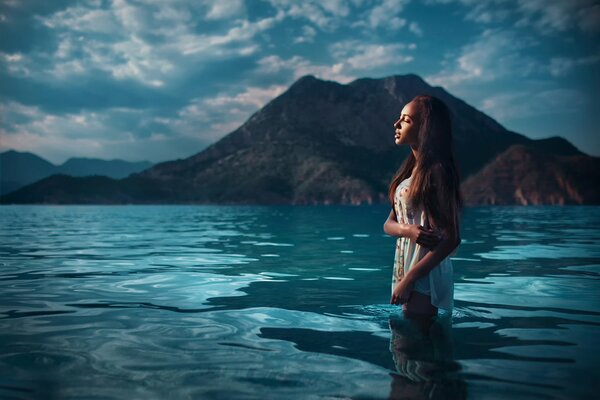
[[407, 126]]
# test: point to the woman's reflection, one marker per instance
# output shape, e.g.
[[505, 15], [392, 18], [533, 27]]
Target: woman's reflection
[[421, 347]]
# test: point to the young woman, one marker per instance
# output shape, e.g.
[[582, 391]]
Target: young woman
[[426, 206]]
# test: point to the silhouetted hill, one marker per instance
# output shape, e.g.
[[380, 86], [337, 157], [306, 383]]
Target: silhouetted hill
[[18, 169], [86, 190], [319, 142], [93, 166]]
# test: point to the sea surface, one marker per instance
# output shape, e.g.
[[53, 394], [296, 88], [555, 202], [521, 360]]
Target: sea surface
[[229, 302]]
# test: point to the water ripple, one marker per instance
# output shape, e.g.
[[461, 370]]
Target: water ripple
[[238, 302]]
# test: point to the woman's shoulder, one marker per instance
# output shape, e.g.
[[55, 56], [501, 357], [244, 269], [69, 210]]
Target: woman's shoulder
[[403, 185]]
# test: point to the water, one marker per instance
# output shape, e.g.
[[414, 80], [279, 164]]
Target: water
[[195, 302]]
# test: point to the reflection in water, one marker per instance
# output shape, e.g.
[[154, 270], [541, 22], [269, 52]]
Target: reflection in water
[[423, 356]]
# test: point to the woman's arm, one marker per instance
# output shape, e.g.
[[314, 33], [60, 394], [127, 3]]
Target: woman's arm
[[424, 237], [445, 247], [394, 228], [423, 266]]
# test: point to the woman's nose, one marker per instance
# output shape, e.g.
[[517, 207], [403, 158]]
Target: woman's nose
[[396, 124]]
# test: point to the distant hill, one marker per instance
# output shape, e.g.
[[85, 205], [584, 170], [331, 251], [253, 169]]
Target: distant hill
[[320, 142], [93, 166], [18, 169], [86, 190], [525, 175]]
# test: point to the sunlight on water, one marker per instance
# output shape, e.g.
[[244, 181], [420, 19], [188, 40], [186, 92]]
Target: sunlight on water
[[239, 302]]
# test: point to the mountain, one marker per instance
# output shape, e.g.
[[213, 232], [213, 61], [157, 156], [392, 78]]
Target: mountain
[[525, 175], [319, 142], [18, 169], [96, 189], [93, 166]]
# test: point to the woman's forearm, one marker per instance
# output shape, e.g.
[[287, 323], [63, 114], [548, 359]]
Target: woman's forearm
[[433, 258], [394, 228]]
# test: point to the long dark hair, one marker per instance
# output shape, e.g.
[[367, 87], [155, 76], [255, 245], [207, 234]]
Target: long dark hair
[[435, 184]]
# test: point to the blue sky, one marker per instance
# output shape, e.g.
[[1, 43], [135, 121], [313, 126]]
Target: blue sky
[[161, 79]]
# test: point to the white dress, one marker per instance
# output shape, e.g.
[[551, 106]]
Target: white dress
[[439, 283]]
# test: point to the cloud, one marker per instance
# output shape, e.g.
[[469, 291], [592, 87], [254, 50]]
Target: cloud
[[561, 66], [415, 28], [350, 59], [296, 66], [168, 77], [328, 15], [308, 35], [219, 45], [232, 108], [28, 128], [140, 62], [130, 134], [207, 119], [116, 70], [107, 124], [386, 15], [548, 17], [485, 13], [511, 106], [218, 9], [589, 19], [495, 54], [552, 16], [147, 44], [83, 19], [15, 64], [357, 56], [110, 40], [254, 97], [158, 42]]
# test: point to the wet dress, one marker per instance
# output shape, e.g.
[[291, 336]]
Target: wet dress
[[438, 283]]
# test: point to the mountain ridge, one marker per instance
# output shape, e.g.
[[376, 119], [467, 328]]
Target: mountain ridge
[[18, 168], [319, 142]]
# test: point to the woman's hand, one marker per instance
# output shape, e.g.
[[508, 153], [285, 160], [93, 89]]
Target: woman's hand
[[423, 236], [401, 293]]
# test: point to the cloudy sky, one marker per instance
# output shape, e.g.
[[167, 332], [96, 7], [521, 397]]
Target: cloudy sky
[[161, 79]]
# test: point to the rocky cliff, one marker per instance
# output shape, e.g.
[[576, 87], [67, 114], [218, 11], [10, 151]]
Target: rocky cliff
[[525, 175]]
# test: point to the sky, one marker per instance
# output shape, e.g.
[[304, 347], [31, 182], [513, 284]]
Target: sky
[[159, 80]]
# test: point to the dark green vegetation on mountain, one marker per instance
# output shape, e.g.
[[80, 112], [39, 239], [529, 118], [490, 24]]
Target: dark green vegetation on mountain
[[322, 142]]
